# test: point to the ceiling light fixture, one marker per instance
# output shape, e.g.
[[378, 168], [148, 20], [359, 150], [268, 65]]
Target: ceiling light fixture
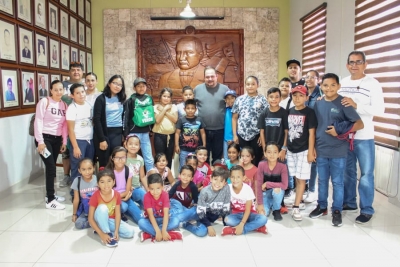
[[187, 11]]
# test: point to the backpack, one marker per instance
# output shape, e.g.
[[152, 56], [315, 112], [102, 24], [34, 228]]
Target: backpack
[[32, 121], [143, 115]]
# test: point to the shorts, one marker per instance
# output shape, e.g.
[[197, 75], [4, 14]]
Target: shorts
[[298, 165], [65, 154]]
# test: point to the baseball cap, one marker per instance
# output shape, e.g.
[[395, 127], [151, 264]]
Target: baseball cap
[[230, 92], [139, 80], [301, 89], [293, 61]]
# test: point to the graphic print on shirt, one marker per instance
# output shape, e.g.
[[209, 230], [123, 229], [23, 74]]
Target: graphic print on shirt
[[296, 126], [190, 135], [184, 196], [273, 122], [239, 205], [134, 168]]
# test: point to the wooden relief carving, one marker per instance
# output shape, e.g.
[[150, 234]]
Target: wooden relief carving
[[176, 58]]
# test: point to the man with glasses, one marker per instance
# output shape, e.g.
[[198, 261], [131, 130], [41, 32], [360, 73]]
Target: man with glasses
[[364, 93]]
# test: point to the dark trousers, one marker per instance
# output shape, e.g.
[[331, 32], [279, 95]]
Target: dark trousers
[[215, 144], [113, 139], [53, 145], [258, 153], [163, 145]]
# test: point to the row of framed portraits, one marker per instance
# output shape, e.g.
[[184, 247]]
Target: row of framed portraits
[[24, 88], [34, 11], [39, 50]]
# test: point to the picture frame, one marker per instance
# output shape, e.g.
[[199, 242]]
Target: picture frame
[[40, 14], [24, 10], [89, 63], [74, 54], [81, 32], [54, 77], [88, 11], [7, 7], [73, 33], [65, 56], [64, 3], [7, 41], [64, 24], [82, 59], [42, 55], [54, 49], [26, 46], [88, 37], [64, 78], [43, 85], [72, 5], [81, 8], [53, 19], [10, 91], [28, 88]]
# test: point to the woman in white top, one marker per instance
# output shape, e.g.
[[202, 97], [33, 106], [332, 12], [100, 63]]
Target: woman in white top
[[91, 90]]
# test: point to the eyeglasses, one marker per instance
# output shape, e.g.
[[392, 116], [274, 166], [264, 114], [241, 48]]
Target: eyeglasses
[[119, 158], [117, 84], [358, 62], [311, 77]]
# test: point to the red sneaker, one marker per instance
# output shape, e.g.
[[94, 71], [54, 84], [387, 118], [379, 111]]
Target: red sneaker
[[175, 235], [262, 229], [227, 230], [284, 210], [144, 236]]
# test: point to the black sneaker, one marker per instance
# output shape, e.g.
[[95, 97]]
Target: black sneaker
[[277, 215], [349, 209], [123, 217], [337, 218], [363, 218], [317, 212]]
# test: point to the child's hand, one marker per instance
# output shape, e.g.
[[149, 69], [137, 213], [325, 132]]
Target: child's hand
[[211, 231], [282, 155], [239, 229], [159, 235], [310, 156], [116, 236], [168, 107], [63, 148], [236, 139], [177, 150], [259, 141], [260, 209], [331, 130], [165, 235], [74, 217], [264, 186], [77, 153], [105, 238]]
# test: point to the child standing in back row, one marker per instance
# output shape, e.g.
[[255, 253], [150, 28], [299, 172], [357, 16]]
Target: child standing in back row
[[187, 93], [230, 97]]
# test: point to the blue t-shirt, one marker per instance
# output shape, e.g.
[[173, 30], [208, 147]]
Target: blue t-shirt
[[114, 111], [328, 112], [228, 133]]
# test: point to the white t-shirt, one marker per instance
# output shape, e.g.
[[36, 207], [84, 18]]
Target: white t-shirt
[[82, 115], [284, 102], [92, 97], [238, 201]]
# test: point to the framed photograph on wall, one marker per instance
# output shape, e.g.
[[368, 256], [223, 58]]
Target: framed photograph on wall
[[64, 2], [26, 48], [54, 77], [24, 10], [73, 29], [64, 78], [53, 18], [6, 6], [9, 80], [82, 59], [81, 34], [40, 13], [54, 49], [89, 63], [81, 8], [88, 37], [72, 5], [88, 11], [8, 37], [65, 56], [74, 54], [42, 55], [43, 85], [64, 25], [28, 88]]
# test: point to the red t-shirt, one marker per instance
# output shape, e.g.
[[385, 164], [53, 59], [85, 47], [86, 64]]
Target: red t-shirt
[[97, 200], [251, 175], [157, 205]]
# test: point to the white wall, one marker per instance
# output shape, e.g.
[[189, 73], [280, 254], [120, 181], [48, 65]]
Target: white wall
[[18, 158], [339, 26]]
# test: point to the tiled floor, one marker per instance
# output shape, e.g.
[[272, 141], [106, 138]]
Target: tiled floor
[[31, 235]]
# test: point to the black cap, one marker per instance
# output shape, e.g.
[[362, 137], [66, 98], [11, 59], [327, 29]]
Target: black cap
[[139, 80], [293, 61]]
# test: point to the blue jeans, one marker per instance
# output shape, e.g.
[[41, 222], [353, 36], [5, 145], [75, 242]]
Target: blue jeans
[[364, 152], [272, 199], [138, 196], [214, 143], [185, 215], [132, 209], [107, 225], [254, 221], [87, 150], [313, 177], [226, 151], [334, 168], [82, 222], [182, 158], [146, 226], [145, 146]]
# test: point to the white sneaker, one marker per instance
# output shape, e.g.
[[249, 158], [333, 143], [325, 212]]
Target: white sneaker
[[312, 196], [302, 206], [58, 198], [296, 215], [54, 205]]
